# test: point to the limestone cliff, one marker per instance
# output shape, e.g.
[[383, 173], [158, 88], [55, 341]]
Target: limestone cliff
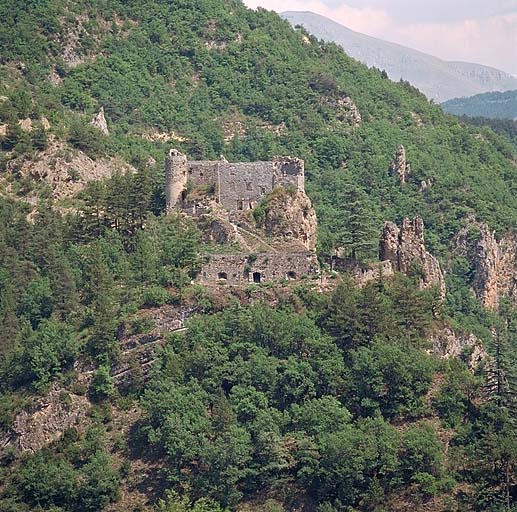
[[47, 420], [399, 165], [64, 170], [405, 248], [99, 122], [494, 262], [344, 108], [447, 343], [289, 215]]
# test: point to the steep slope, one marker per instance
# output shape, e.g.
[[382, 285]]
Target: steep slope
[[495, 105], [148, 391], [438, 79], [223, 79]]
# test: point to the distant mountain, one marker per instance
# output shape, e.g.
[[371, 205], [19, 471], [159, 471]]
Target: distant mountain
[[437, 79], [497, 105]]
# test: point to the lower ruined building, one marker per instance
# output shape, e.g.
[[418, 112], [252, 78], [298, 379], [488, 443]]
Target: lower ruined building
[[277, 244], [237, 269]]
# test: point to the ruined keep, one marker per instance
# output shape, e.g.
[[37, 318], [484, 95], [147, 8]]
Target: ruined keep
[[236, 186], [221, 196]]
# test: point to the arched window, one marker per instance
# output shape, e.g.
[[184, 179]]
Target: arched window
[[222, 276], [257, 277]]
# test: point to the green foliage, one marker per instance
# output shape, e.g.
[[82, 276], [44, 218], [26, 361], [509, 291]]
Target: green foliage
[[253, 396], [48, 351], [498, 105], [102, 386], [390, 379], [251, 401], [174, 503], [46, 482]]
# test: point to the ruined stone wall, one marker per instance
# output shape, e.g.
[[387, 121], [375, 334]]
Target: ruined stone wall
[[203, 172], [239, 269], [238, 186], [176, 177], [242, 185]]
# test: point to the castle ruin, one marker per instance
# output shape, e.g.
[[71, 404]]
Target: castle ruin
[[229, 192], [235, 186]]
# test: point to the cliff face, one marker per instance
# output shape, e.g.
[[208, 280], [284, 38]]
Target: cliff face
[[404, 247], [399, 166], [47, 420], [99, 122], [64, 170], [448, 344], [494, 262], [290, 216]]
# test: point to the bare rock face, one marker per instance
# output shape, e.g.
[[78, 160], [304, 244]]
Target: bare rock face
[[448, 344], [219, 231], [405, 248], [64, 170], [99, 122], [354, 116], [47, 420], [494, 262], [25, 124], [400, 166], [290, 215], [345, 110]]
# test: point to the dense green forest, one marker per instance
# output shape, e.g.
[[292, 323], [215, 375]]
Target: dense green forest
[[505, 127], [314, 401], [495, 105]]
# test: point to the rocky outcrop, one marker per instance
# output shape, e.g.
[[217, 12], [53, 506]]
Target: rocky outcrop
[[345, 110], [64, 170], [405, 248], [494, 262], [25, 124], [47, 420], [99, 122], [218, 231], [289, 215], [399, 165], [446, 343]]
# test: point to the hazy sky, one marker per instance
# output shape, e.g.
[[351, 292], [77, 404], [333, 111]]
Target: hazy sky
[[482, 31]]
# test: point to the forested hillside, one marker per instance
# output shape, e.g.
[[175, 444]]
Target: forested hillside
[[316, 395], [438, 79], [505, 127], [495, 105]]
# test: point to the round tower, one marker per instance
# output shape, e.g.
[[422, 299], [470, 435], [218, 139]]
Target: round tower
[[176, 176]]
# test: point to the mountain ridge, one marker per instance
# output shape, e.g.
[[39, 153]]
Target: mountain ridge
[[440, 80], [494, 105]]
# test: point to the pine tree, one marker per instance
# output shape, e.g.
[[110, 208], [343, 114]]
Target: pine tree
[[355, 229]]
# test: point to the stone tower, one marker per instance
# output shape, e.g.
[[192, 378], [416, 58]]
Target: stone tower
[[176, 174]]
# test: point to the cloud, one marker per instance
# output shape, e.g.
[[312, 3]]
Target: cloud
[[490, 40]]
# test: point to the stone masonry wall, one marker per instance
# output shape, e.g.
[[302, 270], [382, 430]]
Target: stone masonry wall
[[203, 172], [238, 186], [239, 269], [241, 185]]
